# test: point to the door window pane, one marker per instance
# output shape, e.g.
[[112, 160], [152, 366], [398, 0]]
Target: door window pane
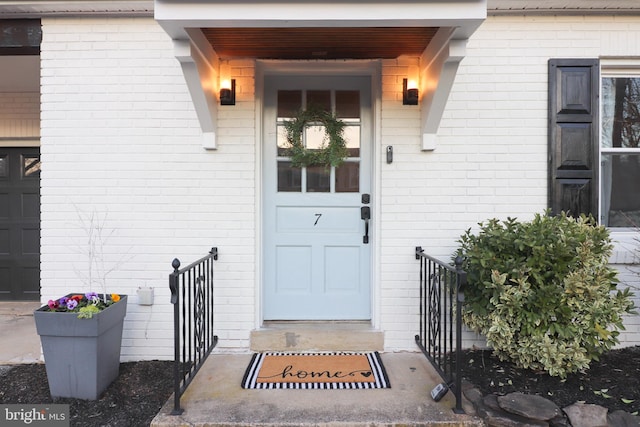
[[348, 104], [289, 103], [320, 98], [348, 177], [289, 178], [318, 179], [315, 137], [31, 166], [352, 137], [281, 140], [4, 167]]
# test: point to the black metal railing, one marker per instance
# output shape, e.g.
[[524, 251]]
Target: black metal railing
[[192, 299], [440, 337]]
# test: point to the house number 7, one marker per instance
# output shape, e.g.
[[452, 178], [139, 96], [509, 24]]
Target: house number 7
[[317, 219]]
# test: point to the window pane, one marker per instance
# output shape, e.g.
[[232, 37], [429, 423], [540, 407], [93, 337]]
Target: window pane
[[620, 190], [315, 137], [289, 178], [352, 137], [289, 103], [31, 166], [282, 142], [621, 112], [348, 104], [4, 166], [348, 177], [320, 98], [318, 179]]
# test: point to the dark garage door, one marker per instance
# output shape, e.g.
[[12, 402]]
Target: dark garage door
[[19, 224]]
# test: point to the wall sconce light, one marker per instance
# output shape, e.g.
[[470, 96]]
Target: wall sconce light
[[409, 92], [228, 92]]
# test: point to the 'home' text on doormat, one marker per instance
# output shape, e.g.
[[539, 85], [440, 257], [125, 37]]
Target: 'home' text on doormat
[[315, 371]]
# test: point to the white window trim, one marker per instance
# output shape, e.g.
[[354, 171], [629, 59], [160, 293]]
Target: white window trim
[[625, 239]]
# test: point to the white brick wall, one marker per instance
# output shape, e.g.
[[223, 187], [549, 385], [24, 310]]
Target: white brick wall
[[629, 277], [119, 135]]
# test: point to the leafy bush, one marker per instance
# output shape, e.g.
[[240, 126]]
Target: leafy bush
[[542, 291]]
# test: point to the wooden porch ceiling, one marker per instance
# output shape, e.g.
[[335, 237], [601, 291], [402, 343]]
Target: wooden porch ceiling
[[319, 43]]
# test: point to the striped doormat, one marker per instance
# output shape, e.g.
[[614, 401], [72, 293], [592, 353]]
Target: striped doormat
[[315, 371]]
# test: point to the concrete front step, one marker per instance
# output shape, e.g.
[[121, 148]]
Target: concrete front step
[[317, 336], [216, 398]]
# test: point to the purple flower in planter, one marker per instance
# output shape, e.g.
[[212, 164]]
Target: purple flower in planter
[[93, 297], [71, 304]]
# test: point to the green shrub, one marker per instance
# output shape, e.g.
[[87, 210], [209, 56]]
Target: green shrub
[[542, 292]]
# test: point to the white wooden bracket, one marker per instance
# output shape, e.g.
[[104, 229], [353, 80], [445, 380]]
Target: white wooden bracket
[[439, 63], [201, 75]]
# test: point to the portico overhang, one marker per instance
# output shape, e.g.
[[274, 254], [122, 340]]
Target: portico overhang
[[208, 33]]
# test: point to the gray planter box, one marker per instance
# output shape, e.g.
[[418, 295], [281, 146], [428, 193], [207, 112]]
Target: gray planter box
[[81, 356]]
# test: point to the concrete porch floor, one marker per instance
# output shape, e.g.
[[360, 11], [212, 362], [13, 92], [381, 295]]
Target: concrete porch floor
[[215, 398]]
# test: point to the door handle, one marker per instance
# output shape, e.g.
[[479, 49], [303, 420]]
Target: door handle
[[365, 214]]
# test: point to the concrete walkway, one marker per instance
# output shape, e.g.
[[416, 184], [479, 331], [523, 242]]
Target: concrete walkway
[[215, 398], [21, 343]]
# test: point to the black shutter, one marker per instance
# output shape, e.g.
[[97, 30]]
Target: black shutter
[[573, 136]]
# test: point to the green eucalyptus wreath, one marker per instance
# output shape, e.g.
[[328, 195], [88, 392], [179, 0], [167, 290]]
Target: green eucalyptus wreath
[[330, 154]]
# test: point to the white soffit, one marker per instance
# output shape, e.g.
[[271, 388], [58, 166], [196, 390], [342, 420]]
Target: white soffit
[[560, 7], [16, 9], [177, 15]]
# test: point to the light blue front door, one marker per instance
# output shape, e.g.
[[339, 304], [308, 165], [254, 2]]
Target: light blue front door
[[316, 262]]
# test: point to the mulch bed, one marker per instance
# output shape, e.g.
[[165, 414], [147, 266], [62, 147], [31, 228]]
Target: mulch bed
[[612, 382], [132, 400]]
